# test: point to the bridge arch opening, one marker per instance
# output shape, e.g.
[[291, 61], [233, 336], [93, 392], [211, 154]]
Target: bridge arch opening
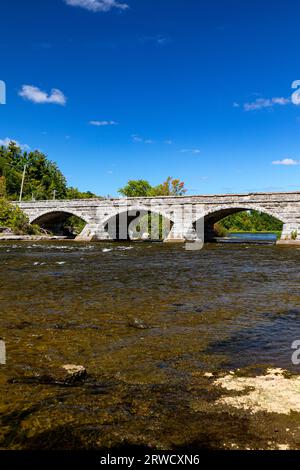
[[223, 221], [61, 223], [137, 225]]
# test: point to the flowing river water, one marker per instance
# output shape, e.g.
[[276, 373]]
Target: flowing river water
[[151, 323]]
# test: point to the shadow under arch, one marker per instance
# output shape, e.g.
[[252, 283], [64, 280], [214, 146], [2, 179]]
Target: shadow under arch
[[61, 223], [138, 224], [217, 214]]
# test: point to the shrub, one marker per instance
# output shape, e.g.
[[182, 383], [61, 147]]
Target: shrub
[[12, 217], [294, 235], [220, 231]]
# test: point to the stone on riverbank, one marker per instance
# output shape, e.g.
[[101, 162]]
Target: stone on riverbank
[[273, 392]]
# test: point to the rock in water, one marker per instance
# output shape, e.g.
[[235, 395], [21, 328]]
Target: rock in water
[[74, 373], [65, 375], [139, 324]]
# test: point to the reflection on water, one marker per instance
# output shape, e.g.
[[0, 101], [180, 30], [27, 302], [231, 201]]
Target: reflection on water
[[144, 319]]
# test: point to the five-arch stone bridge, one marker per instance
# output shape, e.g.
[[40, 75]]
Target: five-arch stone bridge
[[99, 213]]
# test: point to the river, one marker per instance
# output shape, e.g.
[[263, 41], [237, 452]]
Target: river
[[149, 322]]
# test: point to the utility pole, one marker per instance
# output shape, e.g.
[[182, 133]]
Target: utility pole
[[22, 184], [54, 194]]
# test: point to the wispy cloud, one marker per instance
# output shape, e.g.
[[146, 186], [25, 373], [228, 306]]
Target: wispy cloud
[[103, 123], [194, 151], [158, 39], [263, 103], [98, 5], [137, 139], [7, 141], [287, 162], [36, 95]]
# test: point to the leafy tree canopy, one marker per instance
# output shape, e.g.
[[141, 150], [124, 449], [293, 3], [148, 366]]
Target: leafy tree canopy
[[142, 188], [251, 221], [136, 188], [13, 218], [43, 178]]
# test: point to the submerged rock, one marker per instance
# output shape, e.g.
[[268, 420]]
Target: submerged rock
[[74, 373], [139, 324], [65, 375]]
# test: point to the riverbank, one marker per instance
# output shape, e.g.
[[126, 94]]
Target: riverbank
[[11, 237], [229, 410], [288, 242]]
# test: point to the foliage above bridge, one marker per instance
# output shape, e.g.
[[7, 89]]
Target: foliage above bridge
[[142, 188]]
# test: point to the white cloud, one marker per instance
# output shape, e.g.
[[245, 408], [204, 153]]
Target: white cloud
[[261, 103], [103, 123], [98, 5], [36, 95], [7, 141], [194, 151], [287, 162], [137, 139]]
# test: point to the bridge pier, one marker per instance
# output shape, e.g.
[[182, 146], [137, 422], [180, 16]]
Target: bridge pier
[[182, 232], [93, 233], [176, 235], [291, 231]]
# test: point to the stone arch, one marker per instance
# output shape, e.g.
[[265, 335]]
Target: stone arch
[[35, 219], [216, 214], [110, 225], [220, 212], [54, 220]]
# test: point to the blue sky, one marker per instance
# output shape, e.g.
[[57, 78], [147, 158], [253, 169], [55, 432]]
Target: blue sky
[[115, 90]]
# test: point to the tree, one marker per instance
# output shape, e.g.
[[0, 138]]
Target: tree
[[136, 188], [13, 218], [251, 221], [142, 188], [171, 187], [2, 187], [43, 178], [74, 193]]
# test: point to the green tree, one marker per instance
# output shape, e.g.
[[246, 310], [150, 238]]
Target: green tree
[[12, 217], [136, 188], [43, 178], [74, 193], [42, 175], [251, 221], [2, 187], [142, 188]]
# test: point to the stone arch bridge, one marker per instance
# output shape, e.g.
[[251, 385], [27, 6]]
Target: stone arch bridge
[[183, 213]]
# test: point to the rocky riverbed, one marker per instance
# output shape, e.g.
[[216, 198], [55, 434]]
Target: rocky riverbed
[[148, 345]]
